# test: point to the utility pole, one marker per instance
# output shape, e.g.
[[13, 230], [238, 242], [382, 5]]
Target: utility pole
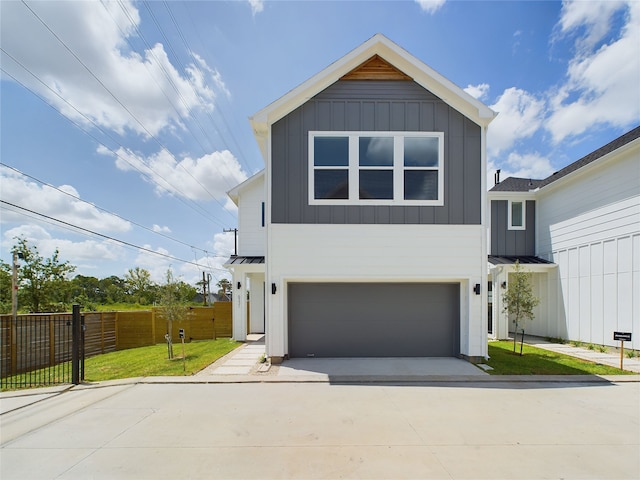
[[204, 290], [235, 239]]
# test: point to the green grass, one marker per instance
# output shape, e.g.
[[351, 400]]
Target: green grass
[[135, 362], [153, 361], [536, 361]]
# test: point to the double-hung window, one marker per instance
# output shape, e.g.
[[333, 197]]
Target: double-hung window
[[376, 168]]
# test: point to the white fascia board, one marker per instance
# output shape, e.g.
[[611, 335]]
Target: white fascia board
[[234, 193], [390, 52], [517, 196]]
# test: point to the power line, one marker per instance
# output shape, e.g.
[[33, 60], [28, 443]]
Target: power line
[[107, 237], [203, 212], [146, 130], [75, 197]]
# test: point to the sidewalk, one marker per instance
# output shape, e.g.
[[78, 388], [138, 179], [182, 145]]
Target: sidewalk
[[604, 358]]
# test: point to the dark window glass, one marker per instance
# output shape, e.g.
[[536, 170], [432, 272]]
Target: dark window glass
[[420, 185], [376, 184], [421, 151], [376, 151], [516, 214], [331, 184], [331, 151]]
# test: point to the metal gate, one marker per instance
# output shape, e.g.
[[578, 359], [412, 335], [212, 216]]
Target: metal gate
[[41, 350]]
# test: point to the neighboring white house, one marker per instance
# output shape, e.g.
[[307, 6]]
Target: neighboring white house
[[367, 226], [579, 232], [248, 267]]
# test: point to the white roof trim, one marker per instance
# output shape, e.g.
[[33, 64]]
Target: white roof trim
[[393, 54], [235, 191]]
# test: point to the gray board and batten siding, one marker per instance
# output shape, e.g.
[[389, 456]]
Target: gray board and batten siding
[[376, 106], [505, 242]]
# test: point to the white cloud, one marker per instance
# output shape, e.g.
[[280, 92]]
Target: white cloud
[[602, 81], [431, 6], [478, 92], [256, 6], [159, 229], [211, 175], [593, 17], [155, 94], [222, 248], [520, 115], [19, 190], [83, 253], [528, 165]]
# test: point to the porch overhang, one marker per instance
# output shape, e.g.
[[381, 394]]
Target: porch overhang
[[246, 264], [530, 262]]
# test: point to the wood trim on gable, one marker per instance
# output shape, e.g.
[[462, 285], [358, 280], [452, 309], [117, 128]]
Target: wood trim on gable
[[376, 69]]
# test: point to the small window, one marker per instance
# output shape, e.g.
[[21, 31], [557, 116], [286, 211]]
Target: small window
[[376, 168], [516, 215]]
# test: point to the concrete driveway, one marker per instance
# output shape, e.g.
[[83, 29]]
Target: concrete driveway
[[460, 430]]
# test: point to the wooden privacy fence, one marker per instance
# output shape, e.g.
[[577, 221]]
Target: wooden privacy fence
[[41, 340]]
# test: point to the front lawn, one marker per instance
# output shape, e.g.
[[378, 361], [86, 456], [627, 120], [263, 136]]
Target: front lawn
[[153, 361], [536, 361]]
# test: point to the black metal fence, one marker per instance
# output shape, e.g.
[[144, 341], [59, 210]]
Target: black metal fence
[[41, 350]]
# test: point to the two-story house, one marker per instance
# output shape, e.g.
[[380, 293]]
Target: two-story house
[[578, 232], [368, 221]]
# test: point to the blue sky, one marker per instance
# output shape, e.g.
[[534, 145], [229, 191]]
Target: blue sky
[[129, 119]]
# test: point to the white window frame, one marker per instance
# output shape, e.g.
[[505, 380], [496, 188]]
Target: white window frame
[[510, 225], [398, 168]]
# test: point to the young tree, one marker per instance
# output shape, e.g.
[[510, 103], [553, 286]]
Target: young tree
[[519, 299], [172, 307], [43, 281]]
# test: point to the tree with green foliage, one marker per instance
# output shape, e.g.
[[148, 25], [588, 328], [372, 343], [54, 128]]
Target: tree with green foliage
[[112, 289], [5, 287], [139, 285], [172, 307], [44, 286], [224, 288], [519, 299]]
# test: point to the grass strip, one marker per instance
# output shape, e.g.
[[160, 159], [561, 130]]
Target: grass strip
[[134, 362], [153, 360], [537, 361]]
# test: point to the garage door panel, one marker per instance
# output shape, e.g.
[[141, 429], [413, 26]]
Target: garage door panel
[[373, 320]]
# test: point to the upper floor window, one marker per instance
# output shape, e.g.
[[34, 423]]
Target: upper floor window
[[376, 168], [516, 213]]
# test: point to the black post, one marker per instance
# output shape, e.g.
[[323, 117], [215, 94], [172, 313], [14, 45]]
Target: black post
[[76, 332], [521, 341]]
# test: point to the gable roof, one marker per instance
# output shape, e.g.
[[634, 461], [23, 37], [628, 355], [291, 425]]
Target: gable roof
[[619, 142], [390, 57], [234, 193], [515, 184]]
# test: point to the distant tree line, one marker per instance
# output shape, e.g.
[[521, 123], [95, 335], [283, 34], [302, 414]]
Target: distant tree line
[[47, 285]]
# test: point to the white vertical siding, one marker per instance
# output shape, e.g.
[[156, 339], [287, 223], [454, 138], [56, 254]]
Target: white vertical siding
[[590, 226], [601, 294], [251, 233]]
